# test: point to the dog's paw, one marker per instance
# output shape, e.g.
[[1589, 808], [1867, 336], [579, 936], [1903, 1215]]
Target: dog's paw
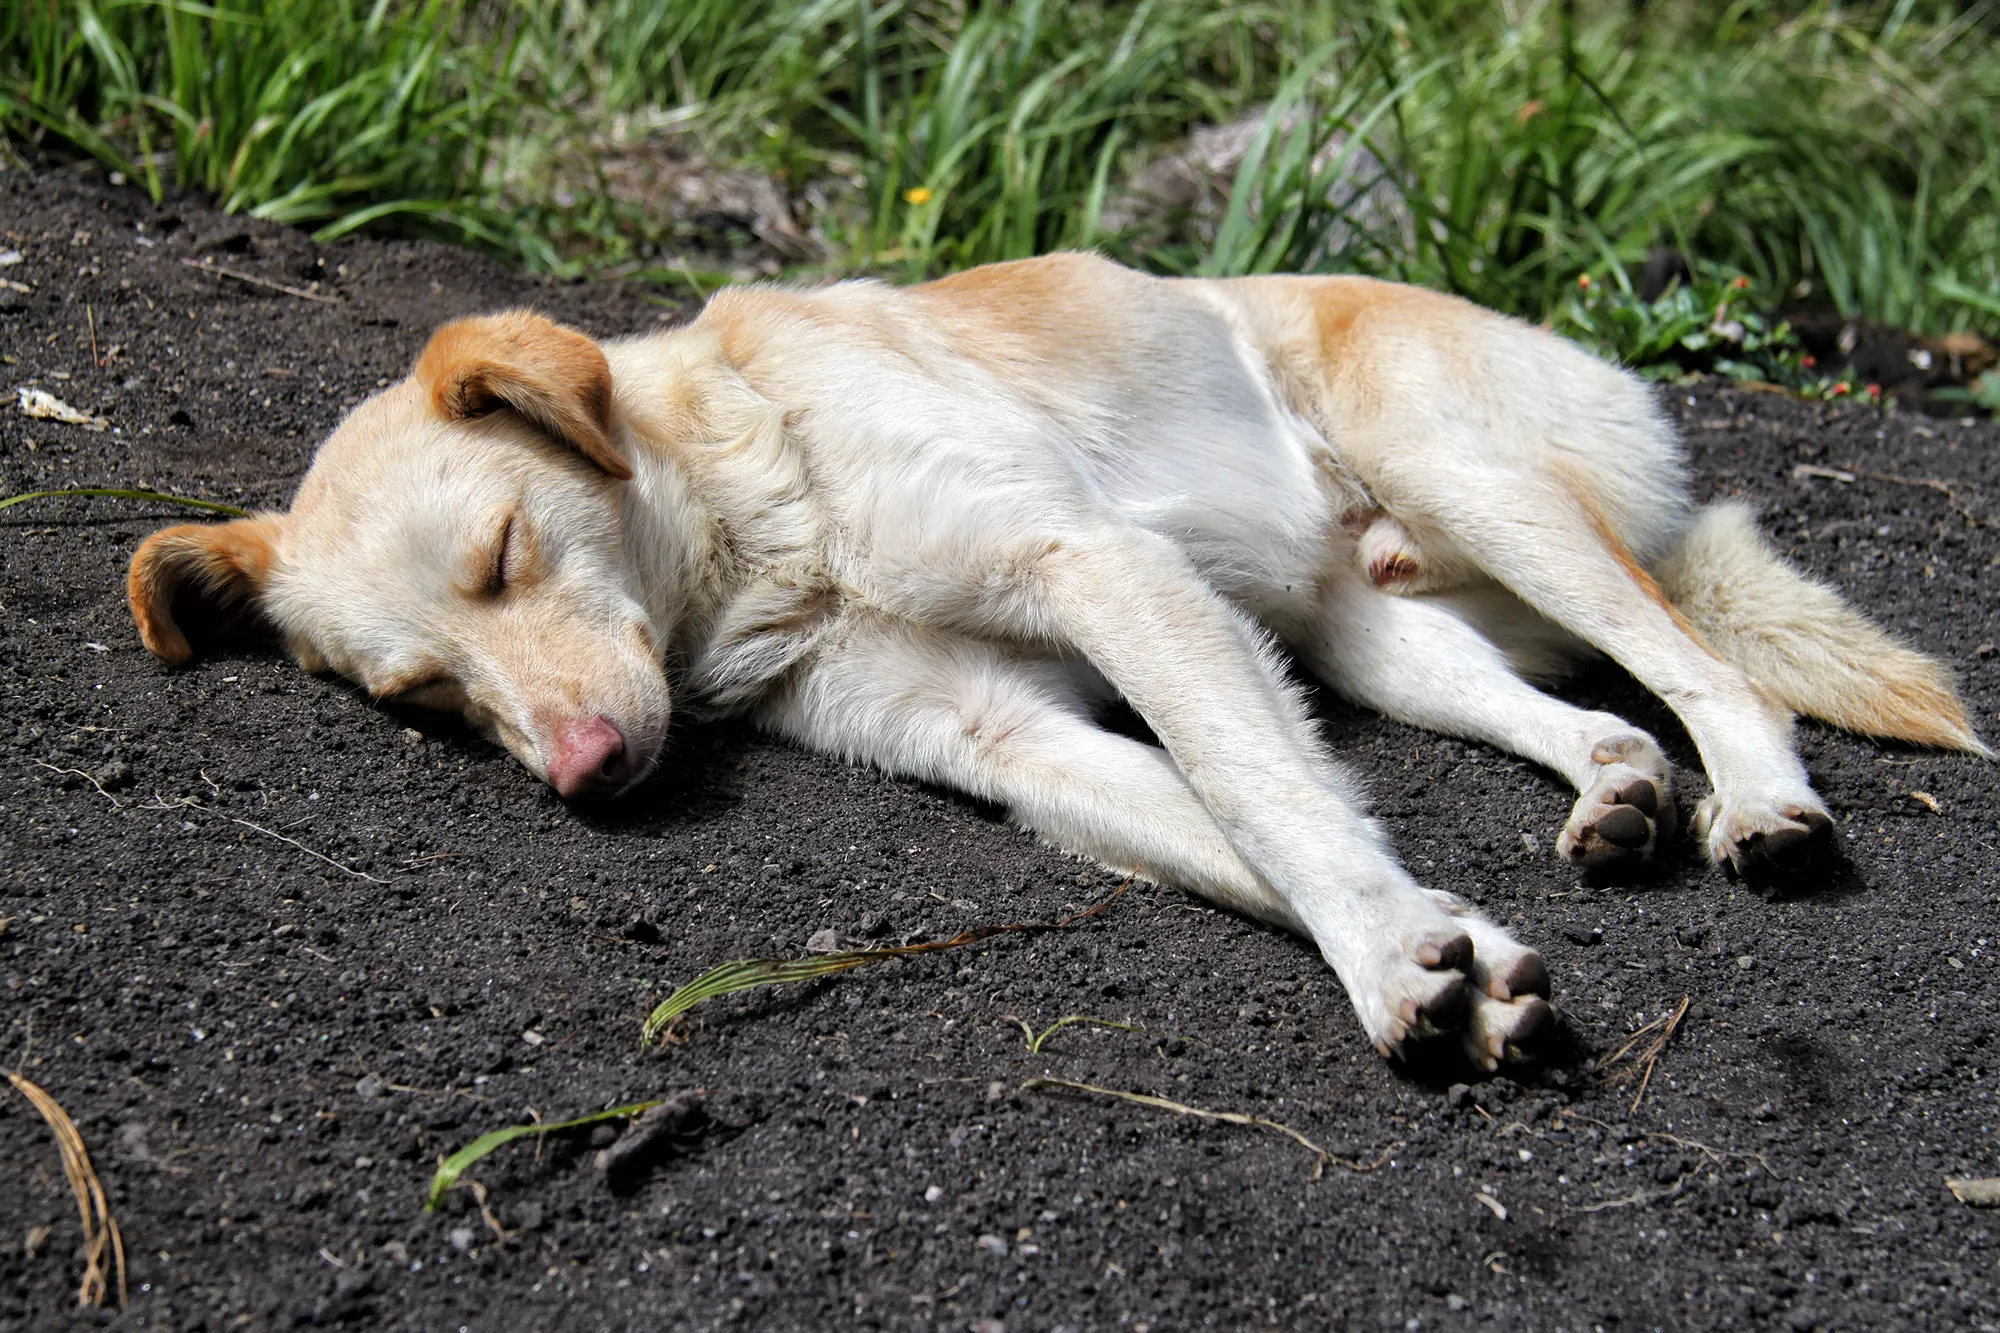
[[1498, 1031], [1508, 985], [1408, 978], [1766, 838], [1626, 812]]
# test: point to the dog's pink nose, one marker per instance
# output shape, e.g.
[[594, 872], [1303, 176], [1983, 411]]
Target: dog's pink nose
[[591, 758]]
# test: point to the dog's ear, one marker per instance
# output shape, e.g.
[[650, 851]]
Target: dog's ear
[[211, 573], [556, 378]]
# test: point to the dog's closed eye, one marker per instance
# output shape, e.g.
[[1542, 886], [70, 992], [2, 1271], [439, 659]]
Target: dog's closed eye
[[493, 565]]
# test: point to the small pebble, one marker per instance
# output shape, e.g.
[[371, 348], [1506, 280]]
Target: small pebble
[[461, 1238], [992, 1244], [823, 941], [1745, 962]]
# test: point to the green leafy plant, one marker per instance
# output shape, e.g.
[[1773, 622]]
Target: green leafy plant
[[1836, 155], [1707, 325]]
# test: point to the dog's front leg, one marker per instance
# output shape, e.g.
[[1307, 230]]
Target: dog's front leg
[[1014, 730], [1210, 686]]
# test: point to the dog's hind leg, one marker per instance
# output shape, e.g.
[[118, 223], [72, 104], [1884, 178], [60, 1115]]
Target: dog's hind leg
[[1017, 732], [1544, 536], [1417, 660]]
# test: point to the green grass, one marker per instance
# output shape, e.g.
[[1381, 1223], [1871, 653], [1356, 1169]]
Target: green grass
[[1842, 156]]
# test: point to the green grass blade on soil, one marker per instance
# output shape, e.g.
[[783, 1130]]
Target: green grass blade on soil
[[454, 1166], [212, 506], [745, 974]]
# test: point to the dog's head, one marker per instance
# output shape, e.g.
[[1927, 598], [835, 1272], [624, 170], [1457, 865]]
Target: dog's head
[[458, 543]]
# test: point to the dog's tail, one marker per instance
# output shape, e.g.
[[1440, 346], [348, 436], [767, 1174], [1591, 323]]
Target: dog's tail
[[1800, 643]]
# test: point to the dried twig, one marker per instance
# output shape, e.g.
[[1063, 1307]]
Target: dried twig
[[1631, 1200], [1943, 488], [116, 804], [101, 1237], [255, 281], [1321, 1155], [321, 856], [1660, 1030]]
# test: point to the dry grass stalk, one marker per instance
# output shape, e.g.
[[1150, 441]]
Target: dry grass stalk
[[101, 1238], [1321, 1155], [1641, 1052]]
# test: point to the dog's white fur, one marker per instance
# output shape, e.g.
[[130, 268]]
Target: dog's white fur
[[936, 528]]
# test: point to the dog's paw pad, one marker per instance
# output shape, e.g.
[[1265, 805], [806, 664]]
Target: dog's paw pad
[[1417, 987], [1502, 967], [1625, 813], [1762, 840], [1503, 1031]]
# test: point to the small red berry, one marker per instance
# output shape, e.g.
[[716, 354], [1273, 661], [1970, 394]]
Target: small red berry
[[1583, 281], [1740, 284], [1808, 361], [1841, 389]]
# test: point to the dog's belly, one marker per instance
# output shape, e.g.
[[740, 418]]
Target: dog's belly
[[1250, 492]]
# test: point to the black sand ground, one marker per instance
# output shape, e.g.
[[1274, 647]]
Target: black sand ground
[[267, 1052]]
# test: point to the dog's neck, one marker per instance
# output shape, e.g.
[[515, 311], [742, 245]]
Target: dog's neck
[[726, 531]]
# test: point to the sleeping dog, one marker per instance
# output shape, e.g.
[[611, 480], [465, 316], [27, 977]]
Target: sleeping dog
[[939, 529]]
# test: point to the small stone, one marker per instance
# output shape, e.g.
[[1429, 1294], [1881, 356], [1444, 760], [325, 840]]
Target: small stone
[[114, 776], [995, 1090], [369, 1087], [1745, 962], [411, 736], [933, 1194], [992, 1244], [461, 1238], [988, 1326], [1985, 650], [1456, 1302], [823, 941], [1458, 1095], [1531, 845], [1585, 938], [873, 925]]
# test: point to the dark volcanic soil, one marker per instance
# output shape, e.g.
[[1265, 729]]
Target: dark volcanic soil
[[294, 949]]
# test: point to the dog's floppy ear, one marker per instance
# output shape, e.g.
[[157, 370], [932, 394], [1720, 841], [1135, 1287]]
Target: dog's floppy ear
[[212, 570], [554, 377]]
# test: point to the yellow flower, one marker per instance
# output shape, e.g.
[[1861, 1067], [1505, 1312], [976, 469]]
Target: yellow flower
[[919, 195]]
